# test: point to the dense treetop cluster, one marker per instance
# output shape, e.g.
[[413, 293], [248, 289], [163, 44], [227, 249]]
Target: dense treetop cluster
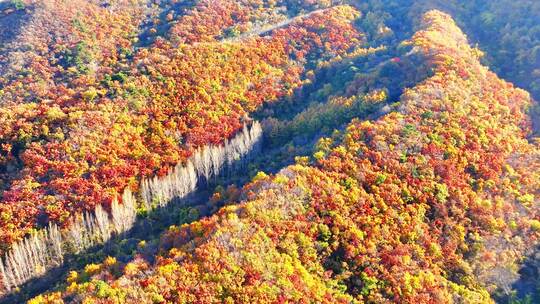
[[416, 174], [86, 114], [432, 203]]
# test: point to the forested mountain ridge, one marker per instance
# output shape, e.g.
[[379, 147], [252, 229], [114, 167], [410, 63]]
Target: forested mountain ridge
[[89, 138], [415, 175], [408, 208], [507, 31]]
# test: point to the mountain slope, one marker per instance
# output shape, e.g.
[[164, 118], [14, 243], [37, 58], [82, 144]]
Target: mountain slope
[[435, 202], [88, 114]]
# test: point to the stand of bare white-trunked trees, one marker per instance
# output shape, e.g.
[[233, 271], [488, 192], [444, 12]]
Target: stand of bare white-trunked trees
[[46, 249]]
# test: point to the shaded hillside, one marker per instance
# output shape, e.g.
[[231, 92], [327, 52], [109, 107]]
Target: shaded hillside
[[13, 16]]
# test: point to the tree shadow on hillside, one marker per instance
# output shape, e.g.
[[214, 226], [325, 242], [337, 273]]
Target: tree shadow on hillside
[[528, 285], [12, 20], [149, 31], [147, 229]]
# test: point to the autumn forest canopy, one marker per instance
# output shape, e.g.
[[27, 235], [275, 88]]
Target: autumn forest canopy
[[281, 151]]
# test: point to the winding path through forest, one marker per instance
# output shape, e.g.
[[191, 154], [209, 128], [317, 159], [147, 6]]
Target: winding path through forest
[[269, 28]]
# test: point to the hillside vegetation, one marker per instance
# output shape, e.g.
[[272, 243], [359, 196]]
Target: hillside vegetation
[[309, 151], [85, 121], [431, 203]]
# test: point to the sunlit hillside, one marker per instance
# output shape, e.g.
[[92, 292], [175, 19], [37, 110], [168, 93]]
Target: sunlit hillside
[[287, 151]]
